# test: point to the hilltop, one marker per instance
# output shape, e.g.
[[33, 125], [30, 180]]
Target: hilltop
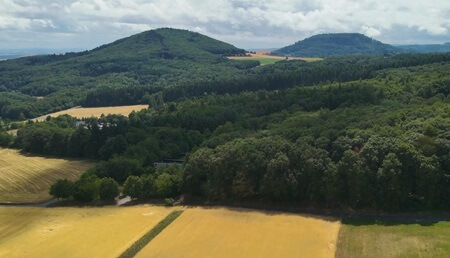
[[336, 44], [151, 60]]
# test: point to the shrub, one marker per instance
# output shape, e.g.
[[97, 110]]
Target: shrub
[[109, 189], [169, 202], [86, 188], [62, 188], [133, 187]]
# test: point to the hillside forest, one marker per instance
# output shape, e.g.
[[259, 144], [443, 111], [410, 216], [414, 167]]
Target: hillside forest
[[350, 132]]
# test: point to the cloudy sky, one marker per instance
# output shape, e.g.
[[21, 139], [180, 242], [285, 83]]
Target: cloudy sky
[[248, 24]]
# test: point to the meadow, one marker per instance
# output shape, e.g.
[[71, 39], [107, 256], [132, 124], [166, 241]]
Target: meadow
[[369, 238], [74, 232], [221, 232], [81, 112], [27, 179]]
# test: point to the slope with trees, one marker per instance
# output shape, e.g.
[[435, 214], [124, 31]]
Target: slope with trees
[[380, 142], [337, 44]]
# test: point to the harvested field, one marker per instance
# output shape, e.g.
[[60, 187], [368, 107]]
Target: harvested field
[[369, 238], [220, 232], [80, 112], [74, 232], [26, 179], [264, 58]]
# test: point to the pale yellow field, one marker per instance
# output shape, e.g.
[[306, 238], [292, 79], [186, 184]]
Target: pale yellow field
[[219, 232], [264, 54], [74, 232], [80, 112], [25, 179]]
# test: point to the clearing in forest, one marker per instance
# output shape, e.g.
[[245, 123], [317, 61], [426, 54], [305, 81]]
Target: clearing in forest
[[220, 232], [74, 232], [27, 179], [264, 58], [81, 112]]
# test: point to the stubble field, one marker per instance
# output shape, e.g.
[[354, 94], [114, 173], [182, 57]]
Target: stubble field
[[220, 232], [27, 179], [80, 112], [74, 232]]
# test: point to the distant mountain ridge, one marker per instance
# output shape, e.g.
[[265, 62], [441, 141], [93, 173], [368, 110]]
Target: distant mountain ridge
[[337, 44], [427, 48]]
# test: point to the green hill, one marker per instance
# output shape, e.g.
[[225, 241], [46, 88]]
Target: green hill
[[336, 44], [152, 60]]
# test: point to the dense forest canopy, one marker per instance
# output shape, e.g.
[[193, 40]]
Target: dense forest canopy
[[337, 44], [360, 132]]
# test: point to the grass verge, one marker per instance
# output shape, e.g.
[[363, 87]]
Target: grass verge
[[143, 241]]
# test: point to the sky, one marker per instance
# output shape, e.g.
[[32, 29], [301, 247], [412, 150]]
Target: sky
[[251, 24]]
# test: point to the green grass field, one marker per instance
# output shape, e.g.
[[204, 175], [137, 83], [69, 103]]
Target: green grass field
[[265, 60], [369, 238]]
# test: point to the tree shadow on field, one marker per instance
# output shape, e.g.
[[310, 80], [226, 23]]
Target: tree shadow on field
[[34, 155], [355, 218], [394, 220], [270, 211]]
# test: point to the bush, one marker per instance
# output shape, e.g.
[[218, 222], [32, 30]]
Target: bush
[[169, 202], [5, 139], [168, 182], [86, 188], [133, 187], [109, 189], [62, 188]]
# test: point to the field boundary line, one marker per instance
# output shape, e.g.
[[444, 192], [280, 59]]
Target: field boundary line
[[144, 240]]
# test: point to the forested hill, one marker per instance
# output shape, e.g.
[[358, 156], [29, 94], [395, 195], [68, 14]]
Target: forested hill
[[336, 44], [380, 141], [152, 59], [166, 43]]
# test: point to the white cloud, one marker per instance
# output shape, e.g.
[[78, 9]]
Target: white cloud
[[370, 31], [245, 23]]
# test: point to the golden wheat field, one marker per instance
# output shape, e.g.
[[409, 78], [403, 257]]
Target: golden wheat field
[[74, 232], [220, 232], [80, 112], [25, 179]]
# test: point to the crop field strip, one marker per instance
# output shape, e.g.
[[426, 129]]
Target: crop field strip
[[138, 245], [219, 232], [75, 232], [25, 179], [80, 112]]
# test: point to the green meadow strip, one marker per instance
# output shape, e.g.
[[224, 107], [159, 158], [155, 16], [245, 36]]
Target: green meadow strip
[[143, 241]]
